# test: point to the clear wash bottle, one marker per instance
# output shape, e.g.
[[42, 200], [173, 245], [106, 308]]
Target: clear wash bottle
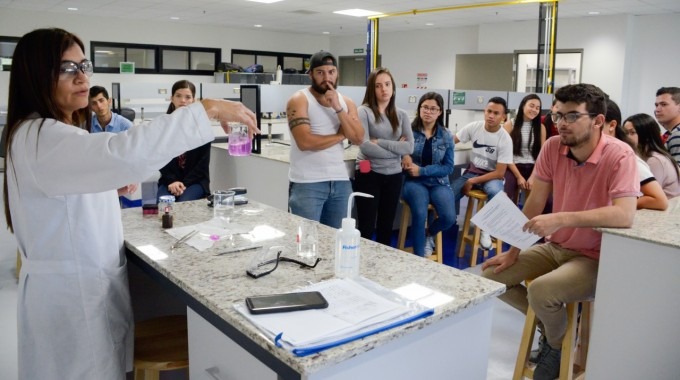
[[347, 239]]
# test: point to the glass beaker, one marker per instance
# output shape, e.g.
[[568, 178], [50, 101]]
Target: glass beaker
[[240, 143]]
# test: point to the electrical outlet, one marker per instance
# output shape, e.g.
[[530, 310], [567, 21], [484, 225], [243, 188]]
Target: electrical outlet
[[412, 99], [162, 91], [237, 90]]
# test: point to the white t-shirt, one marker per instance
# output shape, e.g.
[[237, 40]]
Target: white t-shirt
[[488, 148], [644, 171]]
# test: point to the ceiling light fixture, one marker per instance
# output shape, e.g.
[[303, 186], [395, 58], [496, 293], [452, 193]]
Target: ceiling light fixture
[[257, 25], [72, 9], [357, 12], [326, 32], [174, 18], [265, 1], [429, 24], [593, 13]]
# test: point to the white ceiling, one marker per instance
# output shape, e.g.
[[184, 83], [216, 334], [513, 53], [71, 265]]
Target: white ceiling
[[316, 17]]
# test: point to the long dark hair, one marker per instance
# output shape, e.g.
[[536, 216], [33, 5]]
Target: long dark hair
[[32, 86], [180, 84], [649, 138], [417, 124], [371, 102], [534, 136]]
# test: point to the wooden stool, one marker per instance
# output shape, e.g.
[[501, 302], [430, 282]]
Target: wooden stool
[[472, 237], [574, 344], [18, 268], [161, 344], [403, 225]]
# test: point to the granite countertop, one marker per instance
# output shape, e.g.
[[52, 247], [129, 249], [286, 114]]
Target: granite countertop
[[659, 227], [281, 153], [218, 282]]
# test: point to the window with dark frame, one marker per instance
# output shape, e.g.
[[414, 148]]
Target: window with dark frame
[[7, 45], [271, 59], [154, 59]]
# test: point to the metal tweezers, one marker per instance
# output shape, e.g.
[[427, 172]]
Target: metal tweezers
[[183, 239]]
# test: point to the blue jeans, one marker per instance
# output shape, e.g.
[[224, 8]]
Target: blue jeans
[[191, 193], [418, 195], [324, 202], [491, 188]]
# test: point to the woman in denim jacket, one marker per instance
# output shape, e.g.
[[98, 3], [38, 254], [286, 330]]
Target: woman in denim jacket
[[427, 174]]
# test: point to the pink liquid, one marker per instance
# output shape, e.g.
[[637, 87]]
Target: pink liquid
[[240, 147]]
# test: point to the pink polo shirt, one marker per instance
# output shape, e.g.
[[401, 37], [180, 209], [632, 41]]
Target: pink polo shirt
[[609, 173]]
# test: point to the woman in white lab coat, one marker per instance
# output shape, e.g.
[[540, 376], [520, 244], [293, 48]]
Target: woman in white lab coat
[[74, 315]]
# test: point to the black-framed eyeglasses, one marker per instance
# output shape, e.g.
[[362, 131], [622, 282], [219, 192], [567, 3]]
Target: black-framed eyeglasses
[[265, 268], [430, 109], [69, 69], [569, 117]]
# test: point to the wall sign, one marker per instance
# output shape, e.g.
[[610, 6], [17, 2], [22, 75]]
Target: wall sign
[[127, 67]]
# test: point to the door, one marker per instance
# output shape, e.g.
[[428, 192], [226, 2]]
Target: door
[[353, 70]]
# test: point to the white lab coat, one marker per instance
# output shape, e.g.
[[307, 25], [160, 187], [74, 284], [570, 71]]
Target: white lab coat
[[74, 313]]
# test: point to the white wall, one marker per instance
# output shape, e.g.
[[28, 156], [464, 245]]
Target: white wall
[[18, 23], [408, 53], [629, 57], [654, 59]]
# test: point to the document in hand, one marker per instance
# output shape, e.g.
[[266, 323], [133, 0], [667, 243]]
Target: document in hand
[[501, 218], [356, 308]]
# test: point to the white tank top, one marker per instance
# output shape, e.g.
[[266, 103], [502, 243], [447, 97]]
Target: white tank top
[[319, 165]]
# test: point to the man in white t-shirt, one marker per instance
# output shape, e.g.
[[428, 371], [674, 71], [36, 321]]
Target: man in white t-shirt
[[491, 154], [320, 119]]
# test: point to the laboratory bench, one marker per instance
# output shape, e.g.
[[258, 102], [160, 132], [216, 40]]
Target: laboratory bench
[[265, 175], [453, 343], [635, 331]]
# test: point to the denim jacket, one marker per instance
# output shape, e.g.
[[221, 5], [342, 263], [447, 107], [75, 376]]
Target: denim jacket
[[442, 157]]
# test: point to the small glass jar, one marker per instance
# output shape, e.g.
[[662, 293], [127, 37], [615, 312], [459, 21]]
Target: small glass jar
[[165, 203]]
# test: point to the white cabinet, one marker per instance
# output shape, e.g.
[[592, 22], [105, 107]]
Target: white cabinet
[[210, 352]]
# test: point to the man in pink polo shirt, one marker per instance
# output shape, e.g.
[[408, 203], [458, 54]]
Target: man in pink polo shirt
[[594, 181]]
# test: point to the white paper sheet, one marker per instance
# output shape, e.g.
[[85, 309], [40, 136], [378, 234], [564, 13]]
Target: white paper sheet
[[501, 218]]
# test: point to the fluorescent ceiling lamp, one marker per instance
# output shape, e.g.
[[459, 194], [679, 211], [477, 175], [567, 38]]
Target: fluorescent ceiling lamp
[[358, 13], [174, 18], [265, 1], [257, 25], [72, 9]]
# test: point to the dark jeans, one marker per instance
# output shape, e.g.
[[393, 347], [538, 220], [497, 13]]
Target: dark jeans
[[191, 193], [377, 214]]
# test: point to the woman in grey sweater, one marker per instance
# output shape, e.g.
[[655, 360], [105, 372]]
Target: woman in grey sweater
[[387, 137]]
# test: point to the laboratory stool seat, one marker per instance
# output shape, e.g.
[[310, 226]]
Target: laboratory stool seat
[[437, 255], [471, 234], [574, 344], [161, 344]]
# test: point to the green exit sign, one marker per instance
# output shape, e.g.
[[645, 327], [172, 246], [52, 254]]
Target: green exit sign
[[358, 51], [458, 98]]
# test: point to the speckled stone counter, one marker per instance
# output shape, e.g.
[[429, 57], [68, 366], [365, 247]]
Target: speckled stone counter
[[658, 227], [635, 331], [217, 282]]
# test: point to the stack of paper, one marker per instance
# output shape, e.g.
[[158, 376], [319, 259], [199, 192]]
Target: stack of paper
[[356, 308]]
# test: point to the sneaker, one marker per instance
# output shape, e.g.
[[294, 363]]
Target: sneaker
[[429, 245], [485, 240], [548, 367], [535, 355]]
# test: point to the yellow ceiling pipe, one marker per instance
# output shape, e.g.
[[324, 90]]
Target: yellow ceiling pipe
[[414, 12]]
